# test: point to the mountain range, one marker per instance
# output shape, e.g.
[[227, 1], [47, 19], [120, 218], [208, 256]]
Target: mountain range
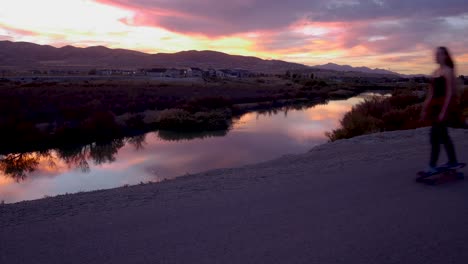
[[22, 55], [348, 68], [25, 55]]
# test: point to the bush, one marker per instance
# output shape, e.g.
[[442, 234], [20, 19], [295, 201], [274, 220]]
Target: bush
[[135, 121], [379, 114], [375, 107], [404, 100], [100, 124], [175, 119], [181, 120], [407, 118], [401, 111], [464, 98], [207, 103]]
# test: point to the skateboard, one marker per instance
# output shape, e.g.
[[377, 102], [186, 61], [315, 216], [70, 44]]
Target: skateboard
[[443, 174]]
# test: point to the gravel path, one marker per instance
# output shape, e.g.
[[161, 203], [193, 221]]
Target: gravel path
[[351, 201]]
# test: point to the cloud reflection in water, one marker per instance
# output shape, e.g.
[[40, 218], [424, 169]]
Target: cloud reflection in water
[[159, 155]]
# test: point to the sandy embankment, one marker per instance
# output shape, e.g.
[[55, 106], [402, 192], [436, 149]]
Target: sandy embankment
[[351, 201]]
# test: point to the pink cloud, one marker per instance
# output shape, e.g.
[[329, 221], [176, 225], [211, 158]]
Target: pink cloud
[[11, 31], [346, 31]]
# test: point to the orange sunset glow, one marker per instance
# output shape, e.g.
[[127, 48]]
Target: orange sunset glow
[[393, 35]]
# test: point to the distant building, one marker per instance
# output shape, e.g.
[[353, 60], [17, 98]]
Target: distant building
[[300, 74], [228, 73], [196, 72], [220, 74], [104, 72], [6, 73], [175, 73], [36, 72], [336, 79], [156, 72], [56, 72], [241, 73], [210, 73], [187, 72], [129, 72]]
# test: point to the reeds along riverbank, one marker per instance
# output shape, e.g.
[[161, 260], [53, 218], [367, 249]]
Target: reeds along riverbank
[[400, 112]]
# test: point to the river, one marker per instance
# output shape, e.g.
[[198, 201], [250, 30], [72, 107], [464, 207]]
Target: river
[[160, 155]]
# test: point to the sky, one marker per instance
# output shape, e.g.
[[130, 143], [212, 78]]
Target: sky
[[398, 35]]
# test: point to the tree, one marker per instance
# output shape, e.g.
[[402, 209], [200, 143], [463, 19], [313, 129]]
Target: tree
[[17, 166]]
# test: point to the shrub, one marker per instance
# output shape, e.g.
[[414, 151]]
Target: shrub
[[404, 100], [379, 114], [100, 124], [135, 121], [401, 111], [464, 98], [207, 103], [375, 107], [151, 117], [407, 118], [181, 120], [311, 83], [175, 119]]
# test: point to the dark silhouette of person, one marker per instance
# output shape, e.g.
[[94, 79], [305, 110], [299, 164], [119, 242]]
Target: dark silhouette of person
[[439, 103]]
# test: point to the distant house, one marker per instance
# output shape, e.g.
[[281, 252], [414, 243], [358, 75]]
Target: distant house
[[129, 72], [210, 73], [6, 73], [220, 74], [196, 72], [175, 73], [228, 73], [463, 79], [156, 72], [237, 73], [241, 73], [104, 72], [421, 79], [140, 72], [336, 79], [57, 72], [36, 72], [187, 72], [108, 72], [300, 74], [213, 73]]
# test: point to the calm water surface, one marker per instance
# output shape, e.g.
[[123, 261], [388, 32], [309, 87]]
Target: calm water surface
[[159, 155]]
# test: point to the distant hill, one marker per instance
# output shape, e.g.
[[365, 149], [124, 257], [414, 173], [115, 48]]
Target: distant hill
[[30, 56], [25, 55], [348, 68]]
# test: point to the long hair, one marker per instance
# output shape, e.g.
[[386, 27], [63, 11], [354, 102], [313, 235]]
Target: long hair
[[448, 58]]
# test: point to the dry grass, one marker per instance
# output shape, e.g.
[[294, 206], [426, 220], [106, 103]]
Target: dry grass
[[399, 112]]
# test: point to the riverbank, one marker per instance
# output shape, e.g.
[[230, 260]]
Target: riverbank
[[401, 111], [45, 115], [156, 155], [350, 201]]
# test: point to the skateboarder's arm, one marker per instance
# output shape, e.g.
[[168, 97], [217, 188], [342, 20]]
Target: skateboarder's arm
[[430, 93], [449, 88]]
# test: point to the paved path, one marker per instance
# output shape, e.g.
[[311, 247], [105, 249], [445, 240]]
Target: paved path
[[351, 201]]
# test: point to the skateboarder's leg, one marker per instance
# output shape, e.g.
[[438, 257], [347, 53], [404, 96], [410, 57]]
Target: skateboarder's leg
[[449, 147], [435, 144]]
